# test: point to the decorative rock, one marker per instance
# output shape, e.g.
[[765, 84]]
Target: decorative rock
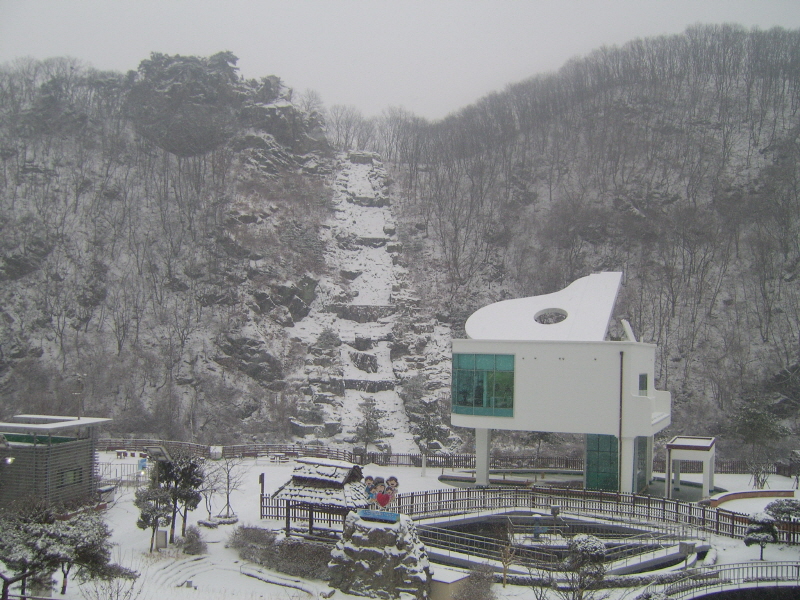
[[371, 242], [324, 398], [251, 357], [369, 386], [380, 560], [332, 428]]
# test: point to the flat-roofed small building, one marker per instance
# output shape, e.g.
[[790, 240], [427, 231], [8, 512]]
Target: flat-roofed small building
[[545, 363], [48, 458]]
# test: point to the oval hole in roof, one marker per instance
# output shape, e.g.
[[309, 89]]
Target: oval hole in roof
[[550, 316]]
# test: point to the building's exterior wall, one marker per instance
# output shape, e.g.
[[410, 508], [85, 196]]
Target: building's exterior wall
[[574, 387], [61, 473]]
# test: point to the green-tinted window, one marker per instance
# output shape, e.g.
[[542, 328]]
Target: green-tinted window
[[71, 477], [464, 361], [504, 389], [643, 384], [504, 362], [602, 466], [484, 362], [464, 386], [483, 384]]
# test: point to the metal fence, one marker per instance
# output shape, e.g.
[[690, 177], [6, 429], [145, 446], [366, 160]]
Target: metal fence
[[707, 580], [617, 506], [139, 445], [444, 461], [122, 474]]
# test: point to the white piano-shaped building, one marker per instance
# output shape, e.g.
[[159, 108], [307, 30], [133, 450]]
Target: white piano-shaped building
[[545, 364]]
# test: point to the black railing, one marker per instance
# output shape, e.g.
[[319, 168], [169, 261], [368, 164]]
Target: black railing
[[617, 506]]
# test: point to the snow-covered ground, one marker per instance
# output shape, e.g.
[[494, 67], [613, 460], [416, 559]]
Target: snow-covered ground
[[221, 574]]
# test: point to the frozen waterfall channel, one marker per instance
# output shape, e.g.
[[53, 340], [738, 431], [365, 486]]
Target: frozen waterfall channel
[[361, 301]]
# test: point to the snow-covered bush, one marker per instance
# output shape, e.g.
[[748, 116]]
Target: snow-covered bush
[[328, 339], [478, 586], [252, 542], [192, 542], [298, 558]]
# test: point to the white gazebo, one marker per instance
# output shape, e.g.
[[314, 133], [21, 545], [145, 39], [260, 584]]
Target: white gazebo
[[684, 447]]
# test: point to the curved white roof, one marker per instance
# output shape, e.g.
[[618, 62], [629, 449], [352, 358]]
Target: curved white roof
[[588, 303]]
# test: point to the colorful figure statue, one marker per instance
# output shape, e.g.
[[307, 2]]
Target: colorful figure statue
[[381, 495], [391, 486], [368, 484]]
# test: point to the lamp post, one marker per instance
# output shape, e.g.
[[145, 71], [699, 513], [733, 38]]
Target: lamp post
[[555, 510], [80, 378]]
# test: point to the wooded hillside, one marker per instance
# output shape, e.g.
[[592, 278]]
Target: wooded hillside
[[673, 159], [158, 223], [157, 232]]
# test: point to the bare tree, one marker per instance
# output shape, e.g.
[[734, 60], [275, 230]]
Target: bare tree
[[232, 476]]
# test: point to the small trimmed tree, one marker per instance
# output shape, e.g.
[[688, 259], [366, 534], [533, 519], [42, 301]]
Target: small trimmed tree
[[761, 531], [478, 585], [213, 482], [155, 509], [181, 478], [583, 567]]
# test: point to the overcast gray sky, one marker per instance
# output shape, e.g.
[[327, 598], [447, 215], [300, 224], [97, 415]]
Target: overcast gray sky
[[431, 57]]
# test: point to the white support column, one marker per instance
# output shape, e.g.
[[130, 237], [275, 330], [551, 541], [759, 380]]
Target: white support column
[[483, 439], [676, 475], [708, 475], [626, 465], [668, 475], [711, 466]]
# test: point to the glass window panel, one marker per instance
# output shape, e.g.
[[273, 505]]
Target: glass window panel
[[504, 362], [483, 388], [490, 388], [484, 382], [465, 361], [484, 362], [464, 387], [504, 389]]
